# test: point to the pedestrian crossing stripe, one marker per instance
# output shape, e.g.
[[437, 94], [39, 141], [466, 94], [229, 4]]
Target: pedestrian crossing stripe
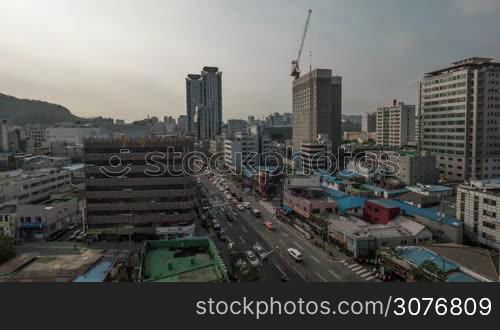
[[362, 270], [353, 265], [367, 273], [356, 268], [370, 278]]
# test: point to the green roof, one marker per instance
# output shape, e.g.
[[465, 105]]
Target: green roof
[[187, 260]]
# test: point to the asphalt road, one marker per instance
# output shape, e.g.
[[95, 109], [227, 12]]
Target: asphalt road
[[317, 265], [273, 268]]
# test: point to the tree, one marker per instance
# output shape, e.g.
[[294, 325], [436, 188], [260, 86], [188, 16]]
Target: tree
[[7, 251]]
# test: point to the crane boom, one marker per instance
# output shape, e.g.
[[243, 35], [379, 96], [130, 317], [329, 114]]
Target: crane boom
[[295, 63]]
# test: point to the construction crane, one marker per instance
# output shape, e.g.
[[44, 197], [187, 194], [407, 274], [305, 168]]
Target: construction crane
[[295, 63]]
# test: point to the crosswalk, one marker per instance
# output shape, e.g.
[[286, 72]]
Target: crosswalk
[[361, 271]]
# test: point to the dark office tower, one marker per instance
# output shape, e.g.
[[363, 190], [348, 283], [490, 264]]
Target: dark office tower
[[321, 114], [193, 98], [212, 101], [130, 190]]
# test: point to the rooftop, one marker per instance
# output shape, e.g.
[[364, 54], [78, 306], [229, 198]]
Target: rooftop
[[190, 260], [428, 213], [356, 227]]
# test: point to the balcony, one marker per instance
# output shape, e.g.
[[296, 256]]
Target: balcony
[[141, 206], [140, 219]]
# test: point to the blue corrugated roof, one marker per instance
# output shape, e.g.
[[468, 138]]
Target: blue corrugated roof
[[331, 179], [335, 193], [372, 188], [99, 271], [460, 277], [418, 255], [348, 203], [387, 203]]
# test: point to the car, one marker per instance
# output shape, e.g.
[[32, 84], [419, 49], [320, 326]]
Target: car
[[259, 250], [234, 201], [239, 198], [216, 225], [295, 254], [256, 213], [222, 237], [240, 207], [247, 205], [230, 217], [81, 237], [269, 225], [252, 258]]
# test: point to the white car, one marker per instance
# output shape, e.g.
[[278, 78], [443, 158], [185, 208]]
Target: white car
[[240, 207], [247, 205], [295, 254], [252, 259]]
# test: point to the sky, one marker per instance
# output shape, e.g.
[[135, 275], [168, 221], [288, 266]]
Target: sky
[[127, 59]]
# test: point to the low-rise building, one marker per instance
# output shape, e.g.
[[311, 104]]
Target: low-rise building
[[307, 201], [439, 263], [478, 206], [413, 168], [28, 187], [188, 260], [241, 150], [362, 239]]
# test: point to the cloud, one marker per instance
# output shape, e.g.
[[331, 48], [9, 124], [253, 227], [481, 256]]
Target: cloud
[[476, 7]]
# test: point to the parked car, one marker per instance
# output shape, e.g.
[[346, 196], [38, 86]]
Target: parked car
[[295, 254], [216, 225], [247, 205]]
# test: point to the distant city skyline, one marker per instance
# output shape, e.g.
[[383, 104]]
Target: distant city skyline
[[127, 59]]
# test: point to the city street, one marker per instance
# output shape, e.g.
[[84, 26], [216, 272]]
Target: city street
[[317, 266]]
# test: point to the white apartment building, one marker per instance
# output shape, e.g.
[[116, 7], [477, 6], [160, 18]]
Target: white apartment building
[[240, 150], [396, 125], [459, 115], [37, 134], [72, 134], [478, 205], [369, 122]]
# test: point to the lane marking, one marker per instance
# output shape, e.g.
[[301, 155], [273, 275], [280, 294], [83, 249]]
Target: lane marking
[[353, 265], [321, 277], [365, 275], [281, 270], [282, 243], [370, 278], [244, 229], [298, 245], [284, 234], [334, 274], [315, 259], [362, 270], [242, 240], [356, 268]]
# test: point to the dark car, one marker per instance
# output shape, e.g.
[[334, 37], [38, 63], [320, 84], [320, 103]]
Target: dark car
[[230, 217], [222, 237]]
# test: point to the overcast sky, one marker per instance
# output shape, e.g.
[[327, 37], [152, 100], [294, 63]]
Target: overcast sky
[[128, 58]]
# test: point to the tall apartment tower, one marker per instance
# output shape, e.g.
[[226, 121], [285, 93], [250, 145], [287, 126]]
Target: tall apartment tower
[[369, 122], [193, 98], [131, 188], [459, 115], [317, 108], [396, 125]]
